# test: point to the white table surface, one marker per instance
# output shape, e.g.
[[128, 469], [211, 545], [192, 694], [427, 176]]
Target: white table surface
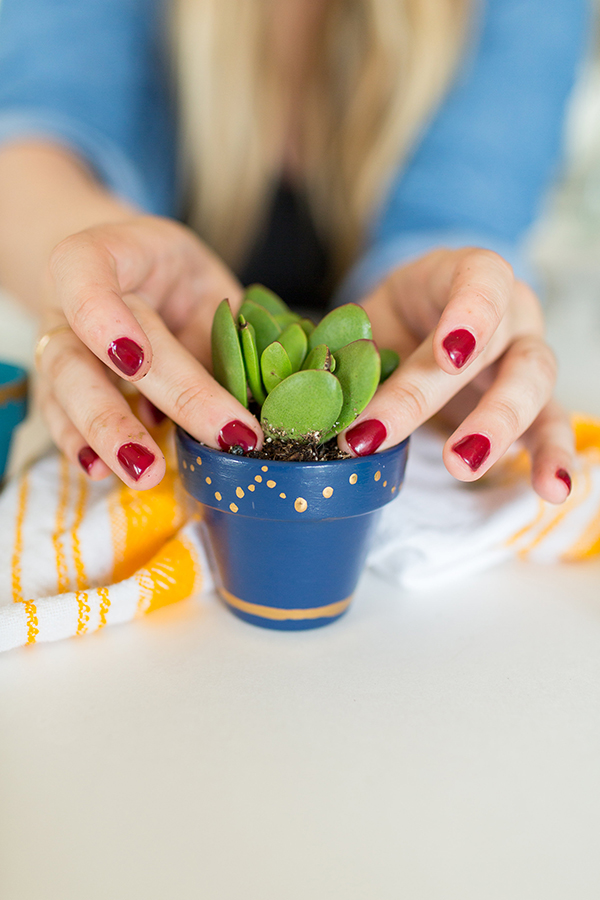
[[428, 745]]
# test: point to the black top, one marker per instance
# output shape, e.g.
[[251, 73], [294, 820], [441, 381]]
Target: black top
[[289, 257]]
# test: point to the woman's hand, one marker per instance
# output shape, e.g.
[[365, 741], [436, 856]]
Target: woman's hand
[[471, 340], [138, 298]]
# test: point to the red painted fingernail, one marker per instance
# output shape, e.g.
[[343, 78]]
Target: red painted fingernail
[[473, 449], [459, 345], [156, 414], [564, 476], [126, 355], [87, 457], [236, 434], [135, 459], [366, 437]]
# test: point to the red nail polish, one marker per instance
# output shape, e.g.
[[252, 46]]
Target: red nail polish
[[87, 457], [156, 414], [135, 459], [459, 345], [236, 434], [126, 355], [473, 449], [366, 437], [564, 476]]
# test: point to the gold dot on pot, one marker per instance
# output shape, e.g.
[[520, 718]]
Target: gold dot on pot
[[300, 504], [271, 484], [184, 464], [233, 507], [282, 495], [198, 460], [264, 468], [393, 489], [208, 480], [385, 483], [251, 487], [218, 496], [239, 492], [377, 475], [258, 478], [327, 492], [353, 478]]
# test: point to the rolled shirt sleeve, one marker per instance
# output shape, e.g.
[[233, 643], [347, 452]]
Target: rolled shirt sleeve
[[481, 169], [94, 76]]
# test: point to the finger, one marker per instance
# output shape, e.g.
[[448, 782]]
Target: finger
[[69, 440], [523, 386], [86, 288], [551, 443], [480, 294], [179, 386], [100, 413]]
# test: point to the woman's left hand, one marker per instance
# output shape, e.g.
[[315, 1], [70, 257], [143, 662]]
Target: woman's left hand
[[471, 340]]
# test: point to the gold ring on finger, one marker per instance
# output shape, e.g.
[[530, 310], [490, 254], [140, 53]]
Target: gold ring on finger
[[45, 340]]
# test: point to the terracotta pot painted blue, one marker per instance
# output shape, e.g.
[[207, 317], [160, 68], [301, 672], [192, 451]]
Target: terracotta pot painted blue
[[13, 406], [288, 541]]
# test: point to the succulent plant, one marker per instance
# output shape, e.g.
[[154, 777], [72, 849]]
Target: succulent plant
[[310, 381]]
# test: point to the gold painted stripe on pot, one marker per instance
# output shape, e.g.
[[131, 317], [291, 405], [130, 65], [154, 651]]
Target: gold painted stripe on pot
[[13, 392], [269, 612]]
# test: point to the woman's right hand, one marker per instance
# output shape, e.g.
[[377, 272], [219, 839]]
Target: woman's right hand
[[139, 298]]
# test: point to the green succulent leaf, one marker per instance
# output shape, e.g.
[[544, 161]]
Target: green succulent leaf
[[389, 363], [261, 295], [341, 326], [358, 369], [307, 326], [275, 365], [227, 360], [265, 327], [251, 361], [320, 357], [295, 343], [287, 318], [304, 405]]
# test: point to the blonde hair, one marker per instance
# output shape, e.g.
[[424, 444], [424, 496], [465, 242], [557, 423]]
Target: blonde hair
[[380, 67]]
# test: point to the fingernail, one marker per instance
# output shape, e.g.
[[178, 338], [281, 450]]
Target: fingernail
[[126, 355], [236, 434], [135, 459], [459, 345], [155, 413], [366, 437], [473, 449], [564, 476], [87, 457]]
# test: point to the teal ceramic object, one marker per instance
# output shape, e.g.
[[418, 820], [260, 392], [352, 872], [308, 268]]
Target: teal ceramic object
[[288, 541], [13, 406]]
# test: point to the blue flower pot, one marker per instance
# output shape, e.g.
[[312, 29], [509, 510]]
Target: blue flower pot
[[13, 406], [288, 540]]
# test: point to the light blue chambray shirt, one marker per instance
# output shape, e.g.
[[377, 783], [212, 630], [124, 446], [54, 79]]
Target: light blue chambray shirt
[[92, 74]]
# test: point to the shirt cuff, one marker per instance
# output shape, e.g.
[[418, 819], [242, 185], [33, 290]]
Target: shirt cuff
[[110, 164], [384, 257]]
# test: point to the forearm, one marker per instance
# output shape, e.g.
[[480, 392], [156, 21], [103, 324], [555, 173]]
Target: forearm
[[46, 194]]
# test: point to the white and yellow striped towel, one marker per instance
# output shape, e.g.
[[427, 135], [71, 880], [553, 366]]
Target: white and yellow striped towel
[[76, 556]]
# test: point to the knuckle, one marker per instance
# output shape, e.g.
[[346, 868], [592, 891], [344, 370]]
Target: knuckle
[[506, 416], [189, 399], [103, 423], [413, 400]]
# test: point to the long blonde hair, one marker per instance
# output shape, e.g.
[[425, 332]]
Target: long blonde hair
[[380, 67]]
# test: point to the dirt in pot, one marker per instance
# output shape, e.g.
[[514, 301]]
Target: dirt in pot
[[292, 451]]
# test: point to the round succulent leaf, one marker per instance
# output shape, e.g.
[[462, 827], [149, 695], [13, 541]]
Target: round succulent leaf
[[341, 326], [320, 357], [295, 343], [287, 318], [227, 360], [266, 329], [258, 293], [275, 365], [251, 360], [307, 326], [302, 407], [358, 369], [389, 363]]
